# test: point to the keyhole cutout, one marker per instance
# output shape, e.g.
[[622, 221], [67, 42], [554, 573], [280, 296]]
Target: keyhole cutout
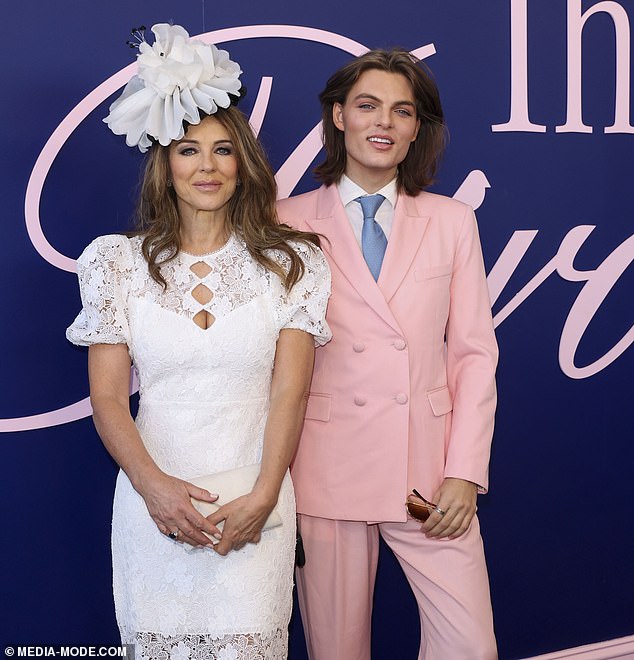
[[202, 295]]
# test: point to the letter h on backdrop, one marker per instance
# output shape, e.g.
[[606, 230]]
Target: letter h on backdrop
[[519, 119]]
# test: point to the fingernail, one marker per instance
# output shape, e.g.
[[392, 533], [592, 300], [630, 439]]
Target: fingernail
[[217, 536]]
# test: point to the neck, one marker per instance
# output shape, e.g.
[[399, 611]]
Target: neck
[[371, 182], [203, 232]]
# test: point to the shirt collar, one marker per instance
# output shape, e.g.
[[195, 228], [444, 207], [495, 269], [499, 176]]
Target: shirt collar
[[349, 191]]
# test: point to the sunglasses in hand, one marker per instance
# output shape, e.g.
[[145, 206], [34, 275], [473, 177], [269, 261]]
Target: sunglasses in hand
[[418, 507]]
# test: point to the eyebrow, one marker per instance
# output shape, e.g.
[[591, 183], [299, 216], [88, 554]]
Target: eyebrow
[[190, 141], [363, 95]]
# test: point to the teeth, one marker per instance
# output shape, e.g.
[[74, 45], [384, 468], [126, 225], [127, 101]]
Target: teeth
[[380, 140]]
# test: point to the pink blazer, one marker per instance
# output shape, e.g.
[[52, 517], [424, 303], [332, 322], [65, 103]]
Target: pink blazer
[[404, 394]]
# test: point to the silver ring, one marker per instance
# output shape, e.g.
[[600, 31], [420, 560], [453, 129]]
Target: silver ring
[[173, 535], [440, 511]]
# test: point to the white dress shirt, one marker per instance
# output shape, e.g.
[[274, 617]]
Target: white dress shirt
[[349, 191]]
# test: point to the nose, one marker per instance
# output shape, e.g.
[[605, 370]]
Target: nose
[[207, 161], [384, 117]]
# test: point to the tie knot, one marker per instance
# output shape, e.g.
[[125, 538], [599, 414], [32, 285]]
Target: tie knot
[[370, 205]]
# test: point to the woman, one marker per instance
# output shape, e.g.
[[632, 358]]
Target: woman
[[218, 307]]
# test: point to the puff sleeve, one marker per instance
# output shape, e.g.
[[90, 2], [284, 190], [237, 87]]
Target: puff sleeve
[[104, 270], [304, 306]]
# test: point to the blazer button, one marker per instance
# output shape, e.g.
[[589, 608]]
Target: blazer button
[[359, 400], [399, 344], [401, 398], [358, 347]]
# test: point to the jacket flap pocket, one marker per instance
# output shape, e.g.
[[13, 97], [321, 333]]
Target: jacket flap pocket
[[440, 401], [318, 406]]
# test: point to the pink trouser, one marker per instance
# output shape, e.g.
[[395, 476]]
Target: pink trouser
[[449, 580]]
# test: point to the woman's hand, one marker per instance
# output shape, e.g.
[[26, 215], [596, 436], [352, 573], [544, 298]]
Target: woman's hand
[[243, 519], [168, 502]]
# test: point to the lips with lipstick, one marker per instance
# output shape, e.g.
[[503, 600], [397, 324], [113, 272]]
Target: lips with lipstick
[[207, 186]]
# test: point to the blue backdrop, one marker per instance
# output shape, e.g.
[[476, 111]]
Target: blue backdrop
[[538, 100]]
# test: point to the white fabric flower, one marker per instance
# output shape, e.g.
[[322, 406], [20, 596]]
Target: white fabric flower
[[176, 77]]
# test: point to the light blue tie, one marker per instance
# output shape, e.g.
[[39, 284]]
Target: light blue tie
[[373, 240]]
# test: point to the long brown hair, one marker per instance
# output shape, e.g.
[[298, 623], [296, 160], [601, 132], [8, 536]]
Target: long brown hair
[[419, 167], [251, 212]]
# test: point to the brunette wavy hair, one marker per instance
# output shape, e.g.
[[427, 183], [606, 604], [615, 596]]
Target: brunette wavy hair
[[251, 212], [419, 167]]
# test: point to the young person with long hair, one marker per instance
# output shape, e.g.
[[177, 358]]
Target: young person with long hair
[[399, 422]]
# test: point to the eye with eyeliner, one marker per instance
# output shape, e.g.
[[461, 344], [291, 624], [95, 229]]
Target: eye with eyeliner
[[221, 150]]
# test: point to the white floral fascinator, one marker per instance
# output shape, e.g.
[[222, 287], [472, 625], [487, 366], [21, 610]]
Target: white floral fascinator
[[176, 77]]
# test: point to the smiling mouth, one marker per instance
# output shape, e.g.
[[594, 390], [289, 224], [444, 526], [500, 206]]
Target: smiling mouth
[[380, 140]]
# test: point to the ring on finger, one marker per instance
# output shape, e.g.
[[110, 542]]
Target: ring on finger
[[174, 535], [442, 512]]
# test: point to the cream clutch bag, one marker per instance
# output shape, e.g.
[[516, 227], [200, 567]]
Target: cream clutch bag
[[230, 485]]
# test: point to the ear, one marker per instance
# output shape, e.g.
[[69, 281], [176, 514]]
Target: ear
[[337, 116]]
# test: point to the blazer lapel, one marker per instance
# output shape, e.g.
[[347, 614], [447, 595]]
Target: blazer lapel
[[407, 233], [343, 249]]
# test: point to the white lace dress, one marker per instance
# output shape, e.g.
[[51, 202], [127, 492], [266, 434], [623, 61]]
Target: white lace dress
[[204, 398]]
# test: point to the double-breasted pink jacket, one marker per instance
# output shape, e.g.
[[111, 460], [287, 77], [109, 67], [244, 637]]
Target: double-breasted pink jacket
[[404, 394]]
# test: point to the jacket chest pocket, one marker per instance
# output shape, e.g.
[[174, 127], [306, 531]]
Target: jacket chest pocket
[[432, 272]]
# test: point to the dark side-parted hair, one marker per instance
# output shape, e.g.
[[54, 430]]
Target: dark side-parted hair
[[419, 167]]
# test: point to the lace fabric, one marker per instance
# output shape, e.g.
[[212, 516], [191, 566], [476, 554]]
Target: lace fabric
[[204, 400], [153, 646], [112, 268]]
